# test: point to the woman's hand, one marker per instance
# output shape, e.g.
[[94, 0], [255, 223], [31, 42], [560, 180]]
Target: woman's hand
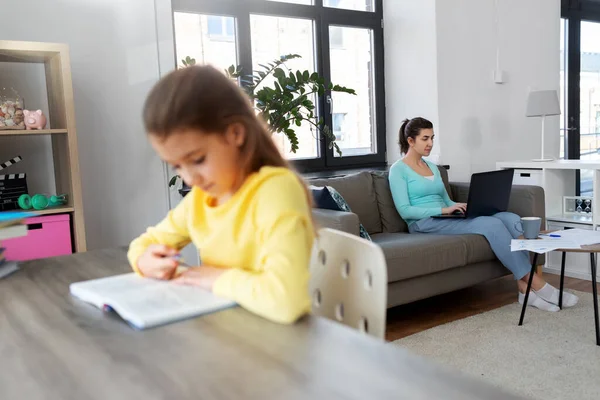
[[157, 262], [203, 277], [462, 207]]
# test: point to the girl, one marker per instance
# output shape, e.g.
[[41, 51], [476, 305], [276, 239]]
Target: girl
[[419, 194], [247, 212]]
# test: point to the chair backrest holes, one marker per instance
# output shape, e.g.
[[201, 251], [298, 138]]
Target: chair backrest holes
[[345, 269], [368, 280], [339, 312], [363, 325], [317, 298], [322, 257]]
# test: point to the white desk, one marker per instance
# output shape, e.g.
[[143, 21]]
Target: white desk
[[558, 179]]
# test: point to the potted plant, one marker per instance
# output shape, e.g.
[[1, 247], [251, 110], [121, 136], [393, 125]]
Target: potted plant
[[287, 102]]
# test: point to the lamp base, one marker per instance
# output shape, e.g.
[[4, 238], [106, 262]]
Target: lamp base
[[542, 159]]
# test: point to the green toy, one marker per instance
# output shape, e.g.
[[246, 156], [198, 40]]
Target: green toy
[[41, 202]]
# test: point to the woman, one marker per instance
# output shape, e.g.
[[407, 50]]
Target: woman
[[419, 194]]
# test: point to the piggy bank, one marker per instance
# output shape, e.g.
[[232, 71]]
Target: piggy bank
[[34, 119]]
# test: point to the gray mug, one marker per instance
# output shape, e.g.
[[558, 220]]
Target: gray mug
[[530, 227]]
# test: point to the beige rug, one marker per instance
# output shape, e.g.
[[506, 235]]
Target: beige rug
[[552, 356]]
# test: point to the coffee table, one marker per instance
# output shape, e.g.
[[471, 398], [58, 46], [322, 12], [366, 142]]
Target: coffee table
[[592, 250]]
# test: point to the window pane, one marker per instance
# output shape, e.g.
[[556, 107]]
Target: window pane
[[589, 92], [352, 66], [273, 37], [305, 2], [358, 5], [210, 39], [563, 86]]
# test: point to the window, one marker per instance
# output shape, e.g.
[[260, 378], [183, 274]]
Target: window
[[339, 126], [197, 37], [220, 28], [341, 40]]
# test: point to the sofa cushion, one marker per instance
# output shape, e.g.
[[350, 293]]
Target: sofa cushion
[[444, 175], [359, 193], [391, 221], [478, 249], [410, 255], [330, 199]]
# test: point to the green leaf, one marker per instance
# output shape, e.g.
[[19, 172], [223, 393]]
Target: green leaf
[[292, 77], [298, 122], [231, 69], [321, 91], [314, 76], [278, 73], [306, 75], [173, 180]]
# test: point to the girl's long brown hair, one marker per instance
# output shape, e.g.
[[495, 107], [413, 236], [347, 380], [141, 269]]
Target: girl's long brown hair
[[203, 98]]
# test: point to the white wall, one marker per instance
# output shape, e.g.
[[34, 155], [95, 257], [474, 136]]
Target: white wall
[[481, 122], [440, 58], [115, 61], [411, 86]]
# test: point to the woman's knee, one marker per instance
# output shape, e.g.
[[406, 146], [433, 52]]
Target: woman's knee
[[508, 217], [489, 225]]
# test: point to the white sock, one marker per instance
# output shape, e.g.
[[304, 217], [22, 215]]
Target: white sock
[[535, 301], [551, 294]]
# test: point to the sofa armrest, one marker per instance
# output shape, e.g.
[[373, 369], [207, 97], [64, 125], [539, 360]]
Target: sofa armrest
[[525, 200], [340, 220]]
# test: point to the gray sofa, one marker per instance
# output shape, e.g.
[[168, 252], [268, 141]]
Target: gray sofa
[[419, 265]]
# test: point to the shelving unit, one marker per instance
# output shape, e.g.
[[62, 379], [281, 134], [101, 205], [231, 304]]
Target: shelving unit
[[56, 60], [34, 132]]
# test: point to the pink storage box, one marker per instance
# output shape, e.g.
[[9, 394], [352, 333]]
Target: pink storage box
[[47, 236]]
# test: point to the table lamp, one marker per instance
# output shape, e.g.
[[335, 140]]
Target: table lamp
[[541, 103]]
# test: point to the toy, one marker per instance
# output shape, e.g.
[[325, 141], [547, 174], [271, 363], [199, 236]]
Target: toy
[[11, 186], [34, 119], [41, 202]]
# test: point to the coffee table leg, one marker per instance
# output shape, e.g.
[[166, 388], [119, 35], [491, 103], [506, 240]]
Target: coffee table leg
[[595, 292], [533, 265], [562, 278]]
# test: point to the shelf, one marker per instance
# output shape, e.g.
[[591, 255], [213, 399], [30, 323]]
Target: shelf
[[573, 219], [24, 132], [48, 211]]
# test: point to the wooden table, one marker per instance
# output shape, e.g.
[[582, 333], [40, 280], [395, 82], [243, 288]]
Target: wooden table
[[53, 346]]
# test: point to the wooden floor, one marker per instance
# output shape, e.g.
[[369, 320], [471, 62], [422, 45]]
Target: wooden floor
[[412, 318]]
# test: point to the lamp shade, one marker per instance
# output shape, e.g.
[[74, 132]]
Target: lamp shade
[[542, 102]]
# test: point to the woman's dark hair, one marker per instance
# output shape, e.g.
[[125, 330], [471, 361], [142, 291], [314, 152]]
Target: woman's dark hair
[[411, 128]]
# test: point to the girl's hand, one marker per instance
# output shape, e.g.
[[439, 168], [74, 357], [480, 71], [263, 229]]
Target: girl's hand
[[203, 277], [157, 262], [462, 207]]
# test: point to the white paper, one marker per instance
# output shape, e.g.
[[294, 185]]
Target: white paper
[[542, 246], [583, 237]]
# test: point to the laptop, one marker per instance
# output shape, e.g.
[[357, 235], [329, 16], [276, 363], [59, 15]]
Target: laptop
[[489, 193]]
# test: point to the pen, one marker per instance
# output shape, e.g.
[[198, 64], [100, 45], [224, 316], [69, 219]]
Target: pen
[[552, 235], [181, 261]]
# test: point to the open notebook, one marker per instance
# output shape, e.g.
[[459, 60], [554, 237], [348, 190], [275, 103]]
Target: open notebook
[[146, 303]]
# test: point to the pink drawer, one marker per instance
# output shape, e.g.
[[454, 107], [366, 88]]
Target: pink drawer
[[47, 236]]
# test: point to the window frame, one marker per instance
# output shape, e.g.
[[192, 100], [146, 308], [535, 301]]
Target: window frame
[[323, 18]]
